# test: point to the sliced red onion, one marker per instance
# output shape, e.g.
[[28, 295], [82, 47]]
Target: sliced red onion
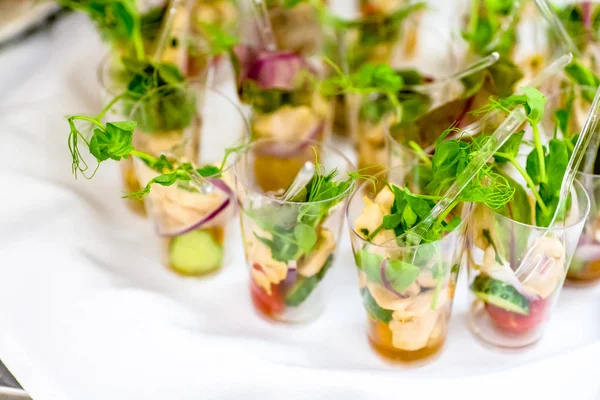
[[270, 70], [387, 283], [290, 278], [245, 57], [587, 15], [277, 70], [285, 149], [211, 215]]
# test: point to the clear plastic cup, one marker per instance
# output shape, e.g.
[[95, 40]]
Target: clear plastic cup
[[510, 311], [409, 324], [585, 265], [297, 28], [407, 47], [284, 106], [578, 18], [576, 101], [398, 148], [524, 34], [289, 281], [114, 78], [192, 223]]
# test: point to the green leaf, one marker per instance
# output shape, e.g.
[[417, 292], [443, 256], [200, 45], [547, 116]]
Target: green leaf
[[127, 126], [373, 308], [446, 156], [420, 206], [169, 73], [283, 246], [379, 77], [562, 117], [400, 274], [505, 75], [510, 147], [518, 208], [409, 217], [453, 224], [166, 179], [209, 171], [556, 162], [114, 143], [391, 221], [370, 264], [535, 103], [581, 75], [533, 166], [306, 237], [220, 41]]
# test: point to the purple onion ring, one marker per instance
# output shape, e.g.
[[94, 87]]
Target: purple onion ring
[[387, 283], [211, 215]]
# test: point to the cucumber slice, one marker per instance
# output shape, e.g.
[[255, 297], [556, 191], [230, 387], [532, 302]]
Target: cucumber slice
[[195, 253], [499, 294]]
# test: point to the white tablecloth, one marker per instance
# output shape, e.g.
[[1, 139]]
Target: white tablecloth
[[87, 312]]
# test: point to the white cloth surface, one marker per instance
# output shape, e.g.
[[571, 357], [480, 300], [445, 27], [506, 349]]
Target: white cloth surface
[[87, 311]]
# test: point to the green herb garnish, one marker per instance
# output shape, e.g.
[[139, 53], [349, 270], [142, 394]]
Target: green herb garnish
[[113, 141], [546, 165]]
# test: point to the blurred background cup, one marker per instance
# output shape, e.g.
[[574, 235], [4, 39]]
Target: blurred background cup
[[510, 311], [522, 32], [405, 324], [296, 27], [567, 111], [192, 221], [585, 265], [168, 110], [403, 38], [288, 282], [414, 141]]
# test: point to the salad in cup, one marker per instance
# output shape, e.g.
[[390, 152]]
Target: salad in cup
[[190, 205], [512, 28], [511, 301], [190, 216], [408, 286], [571, 106], [296, 25], [292, 195], [284, 92], [414, 133]]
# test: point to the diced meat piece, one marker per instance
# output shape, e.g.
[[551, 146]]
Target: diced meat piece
[[325, 245], [413, 334], [287, 123], [385, 199]]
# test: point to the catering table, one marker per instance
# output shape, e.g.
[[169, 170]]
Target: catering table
[[87, 312]]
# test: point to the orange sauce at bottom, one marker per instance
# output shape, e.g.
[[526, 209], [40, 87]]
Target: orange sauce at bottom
[[380, 338], [588, 274], [218, 234]]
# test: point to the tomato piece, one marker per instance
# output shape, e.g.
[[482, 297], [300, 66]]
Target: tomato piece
[[516, 323], [268, 304]]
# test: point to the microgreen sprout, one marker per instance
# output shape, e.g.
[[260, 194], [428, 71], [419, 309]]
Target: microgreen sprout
[[545, 165], [449, 160], [114, 141]]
